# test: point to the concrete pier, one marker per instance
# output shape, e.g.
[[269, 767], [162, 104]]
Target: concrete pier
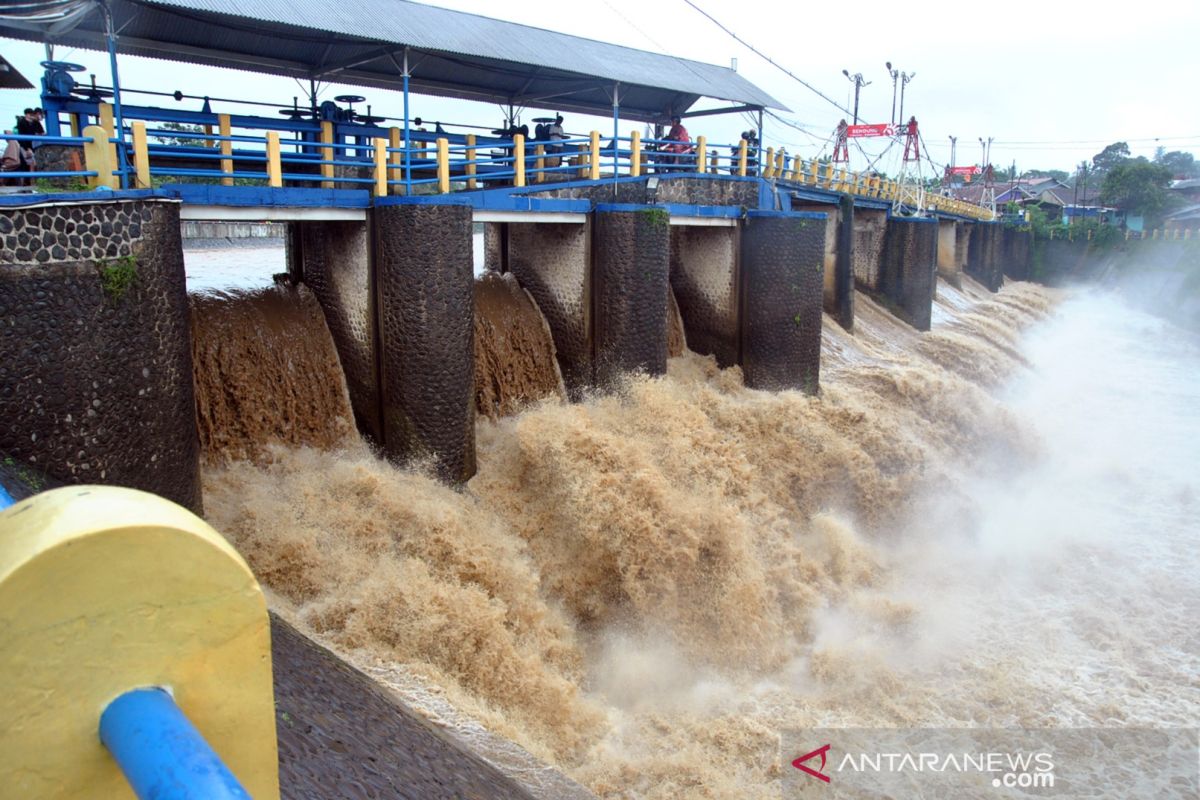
[[704, 276], [983, 255], [424, 295], [908, 269], [783, 266], [95, 352], [631, 248]]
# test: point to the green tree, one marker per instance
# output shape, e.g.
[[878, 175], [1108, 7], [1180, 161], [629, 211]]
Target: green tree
[[1181, 164], [1138, 186], [1109, 157]]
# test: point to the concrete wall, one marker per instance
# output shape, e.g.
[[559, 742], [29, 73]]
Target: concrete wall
[[334, 260], [425, 301], [630, 282], [783, 263], [908, 270], [714, 191], [1016, 259], [704, 276], [948, 250], [553, 262], [96, 378], [870, 230]]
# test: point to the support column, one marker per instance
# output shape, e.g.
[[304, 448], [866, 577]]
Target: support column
[[908, 274], [843, 280], [630, 277], [425, 304], [782, 285], [983, 262], [95, 350]]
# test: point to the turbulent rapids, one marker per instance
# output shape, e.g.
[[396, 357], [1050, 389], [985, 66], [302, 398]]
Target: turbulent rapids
[[644, 589]]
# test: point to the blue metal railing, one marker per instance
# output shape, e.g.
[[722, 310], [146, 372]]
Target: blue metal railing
[[160, 751]]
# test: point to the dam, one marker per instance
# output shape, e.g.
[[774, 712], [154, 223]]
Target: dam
[[710, 446]]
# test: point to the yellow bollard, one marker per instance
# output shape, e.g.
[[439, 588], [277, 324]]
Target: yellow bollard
[[97, 157], [594, 157], [769, 163], [814, 173], [701, 154], [779, 161], [742, 158], [381, 168], [141, 156], [105, 113], [74, 124], [635, 157], [327, 154], [274, 165], [225, 127], [443, 163], [540, 168], [396, 160], [518, 160], [104, 590], [470, 168]]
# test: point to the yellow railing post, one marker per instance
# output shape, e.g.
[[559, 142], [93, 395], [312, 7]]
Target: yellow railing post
[[769, 164], [594, 163], [470, 168], [395, 160], [854, 186], [581, 161], [105, 112], [814, 173], [635, 154], [74, 124], [381, 168], [518, 160], [327, 154], [701, 154], [224, 127], [97, 157], [274, 165], [443, 162], [828, 184], [540, 152], [779, 159], [141, 156], [742, 158]]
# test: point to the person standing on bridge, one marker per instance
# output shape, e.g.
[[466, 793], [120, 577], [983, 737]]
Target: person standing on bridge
[[681, 142]]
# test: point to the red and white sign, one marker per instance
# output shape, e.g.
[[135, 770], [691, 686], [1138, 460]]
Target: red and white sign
[[965, 171], [882, 129]]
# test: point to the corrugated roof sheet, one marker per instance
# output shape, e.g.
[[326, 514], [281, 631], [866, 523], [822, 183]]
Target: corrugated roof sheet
[[452, 53], [429, 28]]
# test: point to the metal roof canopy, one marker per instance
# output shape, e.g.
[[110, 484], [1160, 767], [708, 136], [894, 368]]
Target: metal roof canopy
[[450, 53], [10, 78]]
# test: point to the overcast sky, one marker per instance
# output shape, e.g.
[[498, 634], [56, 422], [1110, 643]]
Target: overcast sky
[[1053, 82]]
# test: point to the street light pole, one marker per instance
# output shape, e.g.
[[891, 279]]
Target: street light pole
[[905, 77], [895, 73], [953, 150], [857, 80]]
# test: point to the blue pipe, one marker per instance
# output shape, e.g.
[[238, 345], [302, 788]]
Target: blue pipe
[[5, 498], [161, 753], [119, 118]]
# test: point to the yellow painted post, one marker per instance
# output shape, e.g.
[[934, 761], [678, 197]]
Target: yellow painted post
[[470, 168], [594, 166], [381, 168], [701, 154], [225, 127], [97, 157], [581, 161], [395, 160], [443, 161], [519, 159], [105, 113], [327, 154], [635, 154], [854, 186], [74, 124], [208, 132], [769, 164], [814, 170], [540, 152], [141, 156], [274, 166], [742, 158], [779, 161], [828, 183]]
